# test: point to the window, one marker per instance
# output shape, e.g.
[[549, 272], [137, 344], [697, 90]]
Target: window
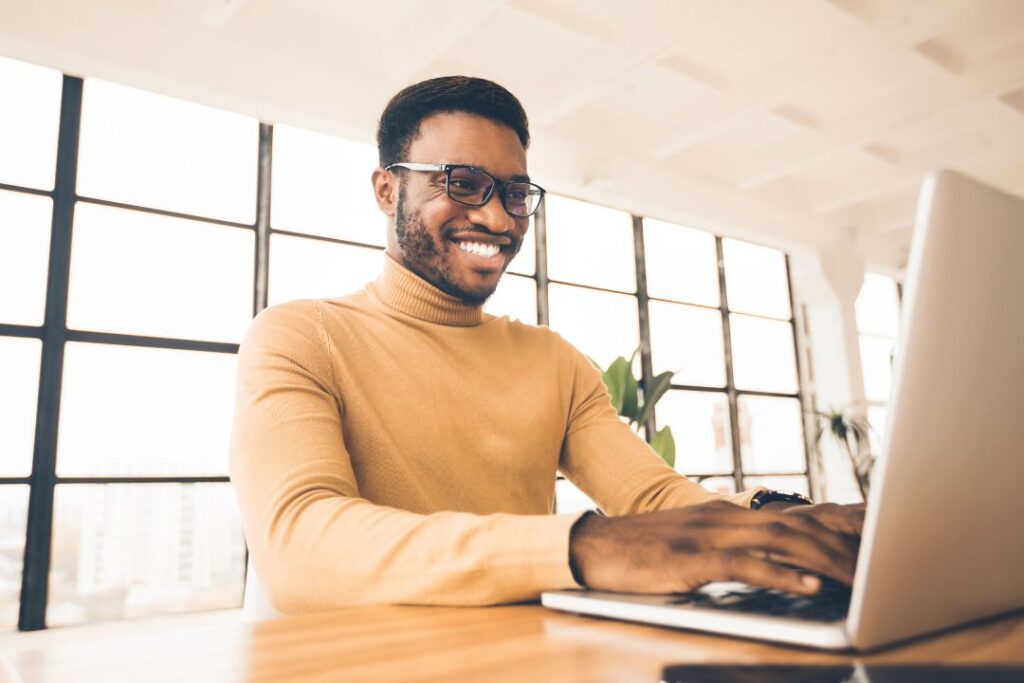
[[24, 252], [28, 123], [322, 186], [123, 551], [302, 268], [878, 313], [159, 152], [19, 368], [141, 273], [734, 406]]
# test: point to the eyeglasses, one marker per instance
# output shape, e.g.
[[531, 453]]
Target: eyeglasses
[[471, 186]]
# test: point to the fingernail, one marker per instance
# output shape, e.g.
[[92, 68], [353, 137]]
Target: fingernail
[[811, 582]]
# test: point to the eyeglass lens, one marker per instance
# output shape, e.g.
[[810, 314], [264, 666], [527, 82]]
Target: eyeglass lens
[[470, 186]]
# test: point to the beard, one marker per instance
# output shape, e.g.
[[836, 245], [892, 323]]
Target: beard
[[424, 256]]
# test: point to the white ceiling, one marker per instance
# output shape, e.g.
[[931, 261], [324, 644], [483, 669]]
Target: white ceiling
[[788, 121]]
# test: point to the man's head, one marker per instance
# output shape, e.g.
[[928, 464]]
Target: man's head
[[452, 120]]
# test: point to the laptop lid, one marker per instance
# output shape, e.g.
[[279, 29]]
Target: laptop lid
[[944, 535]]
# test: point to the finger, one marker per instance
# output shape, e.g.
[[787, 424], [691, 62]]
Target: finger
[[846, 519], [843, 547], [839, 542], [785, 542], [741, 566]]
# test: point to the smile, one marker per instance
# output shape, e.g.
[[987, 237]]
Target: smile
[[479, 248]]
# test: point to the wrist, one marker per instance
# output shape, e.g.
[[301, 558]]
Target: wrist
[[580, 537]]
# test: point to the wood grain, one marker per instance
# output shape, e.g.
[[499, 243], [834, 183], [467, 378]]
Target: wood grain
[[514, 643]]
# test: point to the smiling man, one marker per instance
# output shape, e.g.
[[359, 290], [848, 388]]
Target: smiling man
[[398, 445]]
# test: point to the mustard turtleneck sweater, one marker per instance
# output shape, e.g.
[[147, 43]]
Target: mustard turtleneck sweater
[[398, 446]]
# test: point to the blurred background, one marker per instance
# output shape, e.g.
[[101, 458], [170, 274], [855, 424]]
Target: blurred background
[[732, 183]]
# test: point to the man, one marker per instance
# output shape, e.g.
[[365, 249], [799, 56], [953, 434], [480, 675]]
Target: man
[[398, 445]]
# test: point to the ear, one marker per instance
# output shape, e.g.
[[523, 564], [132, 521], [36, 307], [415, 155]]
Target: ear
[[385, 190]]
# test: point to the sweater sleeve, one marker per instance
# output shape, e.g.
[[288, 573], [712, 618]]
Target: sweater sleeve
[[612, 464], [315, 543]]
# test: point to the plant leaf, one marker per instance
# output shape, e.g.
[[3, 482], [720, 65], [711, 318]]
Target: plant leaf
[[615, 379], [664, 445], [630, 398], [659, 385]]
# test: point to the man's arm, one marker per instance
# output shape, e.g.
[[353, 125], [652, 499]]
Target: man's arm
[[315, 542], [612, 464], [667, 534]]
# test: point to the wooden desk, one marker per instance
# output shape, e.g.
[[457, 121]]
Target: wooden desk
[[517, 643]]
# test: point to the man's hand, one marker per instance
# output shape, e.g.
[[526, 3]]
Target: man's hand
[[845, 519], [680, 550]]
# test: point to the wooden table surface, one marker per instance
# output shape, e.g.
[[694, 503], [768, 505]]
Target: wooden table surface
[[514, 643]]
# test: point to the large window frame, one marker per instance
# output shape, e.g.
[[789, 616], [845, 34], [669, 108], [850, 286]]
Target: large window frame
[[54, 334]]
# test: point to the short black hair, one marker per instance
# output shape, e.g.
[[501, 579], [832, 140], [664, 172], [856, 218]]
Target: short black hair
[[400, 122]]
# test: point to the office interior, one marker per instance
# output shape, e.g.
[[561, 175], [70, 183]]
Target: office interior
[[732, 188]]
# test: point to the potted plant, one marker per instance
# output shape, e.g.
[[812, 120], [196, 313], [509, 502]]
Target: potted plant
[[632, 403], [850, 431]]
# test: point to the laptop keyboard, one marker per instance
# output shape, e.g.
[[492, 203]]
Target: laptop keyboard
[[830, 603]]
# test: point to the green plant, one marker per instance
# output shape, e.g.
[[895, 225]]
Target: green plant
[[635, 405], [850, 431]]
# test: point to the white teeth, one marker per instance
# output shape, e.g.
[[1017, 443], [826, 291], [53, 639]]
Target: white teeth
[[479, 248]]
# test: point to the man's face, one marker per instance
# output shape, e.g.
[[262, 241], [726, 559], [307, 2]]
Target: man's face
[[435, 236]]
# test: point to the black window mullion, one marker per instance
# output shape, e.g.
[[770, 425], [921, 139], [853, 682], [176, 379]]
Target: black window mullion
[[646, 368], [730, 380], [540, 239], [36, 569], [261, 272], [811, 474]]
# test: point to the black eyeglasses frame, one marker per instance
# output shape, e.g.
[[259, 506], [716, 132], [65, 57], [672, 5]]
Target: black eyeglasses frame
[[500, 185]]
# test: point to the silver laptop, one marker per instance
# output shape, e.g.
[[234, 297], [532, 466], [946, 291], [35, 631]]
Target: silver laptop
[[943, 541]]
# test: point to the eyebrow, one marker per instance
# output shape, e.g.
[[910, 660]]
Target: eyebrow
[[511, 179]]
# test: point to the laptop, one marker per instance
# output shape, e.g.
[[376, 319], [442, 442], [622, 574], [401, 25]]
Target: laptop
[[943, 540]]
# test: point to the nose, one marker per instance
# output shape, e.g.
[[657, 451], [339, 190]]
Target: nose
[[492, 215]]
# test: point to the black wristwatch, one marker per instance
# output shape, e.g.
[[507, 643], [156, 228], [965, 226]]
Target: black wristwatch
[[762, 498]]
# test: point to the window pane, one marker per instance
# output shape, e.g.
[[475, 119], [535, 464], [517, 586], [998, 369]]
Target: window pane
[[725, 486], [682, 263], [19, 391], [150, 150], [570, 499], [756, 280], [794, 484], [771, 434], [525, 261], [700, 427], [314, 269], [29, 121], [689, 341], [602, 325], [141, 273], [878, 306], [132, 412], [322, 186], [589, 244], [515, 297], [763, 355], [13, 518], [876, 358], [132, 550], [24, 253]]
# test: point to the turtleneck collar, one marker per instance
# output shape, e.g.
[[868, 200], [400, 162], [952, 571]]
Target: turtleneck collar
[[405, 291]]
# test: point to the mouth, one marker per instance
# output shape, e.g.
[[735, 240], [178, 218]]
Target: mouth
[[483, 254]]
